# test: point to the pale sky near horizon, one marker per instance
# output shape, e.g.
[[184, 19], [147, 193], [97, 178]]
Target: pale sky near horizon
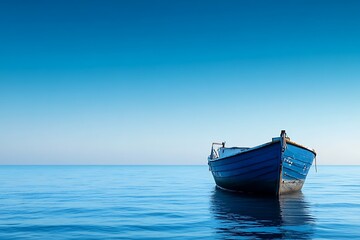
[[155, 82]]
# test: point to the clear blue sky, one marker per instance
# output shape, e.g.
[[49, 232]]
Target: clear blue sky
[[155, 82]]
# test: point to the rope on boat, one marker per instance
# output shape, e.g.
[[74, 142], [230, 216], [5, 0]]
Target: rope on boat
[[315, 164]]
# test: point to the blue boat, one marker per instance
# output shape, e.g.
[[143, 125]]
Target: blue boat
[[274, 168]]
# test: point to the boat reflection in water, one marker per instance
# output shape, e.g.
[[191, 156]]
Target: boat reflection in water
[[257, 217]]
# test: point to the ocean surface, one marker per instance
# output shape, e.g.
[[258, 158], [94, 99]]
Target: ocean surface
[[162, 202]]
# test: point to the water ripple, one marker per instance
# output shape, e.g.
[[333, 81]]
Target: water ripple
[[162, 202]]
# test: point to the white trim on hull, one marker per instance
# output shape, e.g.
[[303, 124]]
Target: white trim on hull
[[286, 187], [237, 191], [229, 190]]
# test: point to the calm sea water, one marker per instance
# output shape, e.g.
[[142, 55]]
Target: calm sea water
[[161, 202]]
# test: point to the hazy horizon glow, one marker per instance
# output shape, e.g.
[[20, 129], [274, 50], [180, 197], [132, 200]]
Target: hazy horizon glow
[[155, 82]]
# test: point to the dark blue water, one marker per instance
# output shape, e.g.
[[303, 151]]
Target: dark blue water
[[161, 202]]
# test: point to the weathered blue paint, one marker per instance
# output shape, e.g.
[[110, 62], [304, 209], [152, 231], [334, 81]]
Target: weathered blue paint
[[265, 169], [296, 163]]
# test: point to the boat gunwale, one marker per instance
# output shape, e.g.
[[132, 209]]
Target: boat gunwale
[[229, 163], [300, 146], [264, 145]]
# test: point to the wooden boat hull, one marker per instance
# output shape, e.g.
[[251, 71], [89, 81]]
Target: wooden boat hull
[[268, 169]]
